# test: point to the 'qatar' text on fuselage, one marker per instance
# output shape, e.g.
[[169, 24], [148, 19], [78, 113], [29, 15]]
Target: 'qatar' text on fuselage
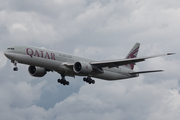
[[40, 53]]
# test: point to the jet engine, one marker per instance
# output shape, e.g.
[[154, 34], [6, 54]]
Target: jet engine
[[37, 71], [82, 67]]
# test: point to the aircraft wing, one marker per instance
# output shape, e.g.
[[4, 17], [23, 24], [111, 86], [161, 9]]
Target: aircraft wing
[[116, 63]]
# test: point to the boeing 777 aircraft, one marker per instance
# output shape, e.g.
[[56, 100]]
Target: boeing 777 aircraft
[[41, 61]]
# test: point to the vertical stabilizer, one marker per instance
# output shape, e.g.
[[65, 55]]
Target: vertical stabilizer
[[133, 54]]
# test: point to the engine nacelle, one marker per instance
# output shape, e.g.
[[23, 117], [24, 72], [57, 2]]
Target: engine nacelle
[[82, 67], [37, 71]]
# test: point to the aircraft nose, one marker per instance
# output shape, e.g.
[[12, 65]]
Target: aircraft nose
[[7, 54]]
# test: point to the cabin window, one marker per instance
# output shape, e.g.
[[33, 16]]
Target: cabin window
[[10, 48]]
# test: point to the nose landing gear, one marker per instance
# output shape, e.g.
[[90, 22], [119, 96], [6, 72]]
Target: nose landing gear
[[15, 64]]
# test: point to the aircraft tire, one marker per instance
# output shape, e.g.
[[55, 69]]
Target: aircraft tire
[[89, 80], [15, 68], [62, 81], [93, 81], [84, 79], [59, 80], [67, 82]]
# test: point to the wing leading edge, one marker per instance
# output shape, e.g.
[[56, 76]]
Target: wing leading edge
[[116, 63]]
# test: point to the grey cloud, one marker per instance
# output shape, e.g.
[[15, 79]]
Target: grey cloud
[[137, 101], [124, 103], [3, 60], [103, 29]]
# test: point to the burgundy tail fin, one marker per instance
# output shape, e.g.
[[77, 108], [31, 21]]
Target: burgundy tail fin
[[133, 54]]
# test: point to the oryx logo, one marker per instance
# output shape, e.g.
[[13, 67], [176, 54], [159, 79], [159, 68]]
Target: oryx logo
[[133, 54]]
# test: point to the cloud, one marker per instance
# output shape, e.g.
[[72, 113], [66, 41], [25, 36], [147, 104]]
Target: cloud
[[22, 29], [103, 29], [21, 94], [114, 100], [3, 60]]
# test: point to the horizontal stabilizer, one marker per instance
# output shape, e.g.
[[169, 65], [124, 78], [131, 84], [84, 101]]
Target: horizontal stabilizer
[[132, 73]]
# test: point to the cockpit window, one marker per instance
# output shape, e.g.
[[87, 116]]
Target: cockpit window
[[10, 48]]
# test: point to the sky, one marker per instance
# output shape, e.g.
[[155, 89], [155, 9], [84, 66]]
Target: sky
[[97, 29]]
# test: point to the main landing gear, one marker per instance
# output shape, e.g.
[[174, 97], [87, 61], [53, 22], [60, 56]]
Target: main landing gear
[[89, 80], [63, 80], [15, 65]]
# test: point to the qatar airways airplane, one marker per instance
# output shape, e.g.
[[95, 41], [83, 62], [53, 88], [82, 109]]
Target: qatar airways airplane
[[41, 61]]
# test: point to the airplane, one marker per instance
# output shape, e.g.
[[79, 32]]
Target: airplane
[[41, 61]]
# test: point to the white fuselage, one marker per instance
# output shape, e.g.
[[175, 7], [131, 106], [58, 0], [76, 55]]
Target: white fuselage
[[56, 61]]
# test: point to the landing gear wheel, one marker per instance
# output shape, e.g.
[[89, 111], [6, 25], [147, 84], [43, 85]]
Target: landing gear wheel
[[63, 81], [59, 80], [67, 82], [89, 80], [15, 68], [93, 81]]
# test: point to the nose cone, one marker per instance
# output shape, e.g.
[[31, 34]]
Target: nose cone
[[5, 53], [8, 54]]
